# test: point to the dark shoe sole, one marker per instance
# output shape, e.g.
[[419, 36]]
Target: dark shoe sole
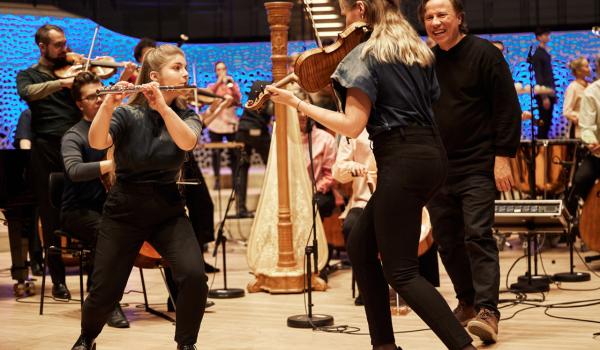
[[483, 331]]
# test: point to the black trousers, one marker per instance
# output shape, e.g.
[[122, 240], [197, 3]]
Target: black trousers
[[155, 213], [462, 215], [216, 154], [411, 166], [545, 118], [428, 262], [583, 181], [45, 159], [261, 144], [83, 224]]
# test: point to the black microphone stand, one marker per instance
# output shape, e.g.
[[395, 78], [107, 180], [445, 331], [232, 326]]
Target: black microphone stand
[[529, 283], [227, 293], [310, 320]]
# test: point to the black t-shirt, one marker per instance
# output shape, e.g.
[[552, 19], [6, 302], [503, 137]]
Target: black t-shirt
[[259, 119], [52, 115], [144, 150], [83, 188], [478, 112], [542, 66], [23, 131], [400, 95]]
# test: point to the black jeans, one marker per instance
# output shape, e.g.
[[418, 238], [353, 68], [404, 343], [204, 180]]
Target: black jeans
[[135, 213], [216, 153], [45, 159], [462, 215], [411, 166], [583, 181], [428, 262], [261, 144]]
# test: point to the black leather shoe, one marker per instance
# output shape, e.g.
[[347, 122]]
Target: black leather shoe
[[84, 343], [186, 347], [358, 301], [60, 291], [36, 269], [117, 318], [208, 268], [209, 303]]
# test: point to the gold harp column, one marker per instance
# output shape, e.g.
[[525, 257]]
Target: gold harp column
[[287, 277], [278, 16]]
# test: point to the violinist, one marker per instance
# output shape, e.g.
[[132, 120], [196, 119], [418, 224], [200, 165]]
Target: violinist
[[151, 135], [225, 123], [141, 48], [388, 84], [83, 193], [53, 112]]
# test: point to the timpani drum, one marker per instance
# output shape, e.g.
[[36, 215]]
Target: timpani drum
[[554, 166]]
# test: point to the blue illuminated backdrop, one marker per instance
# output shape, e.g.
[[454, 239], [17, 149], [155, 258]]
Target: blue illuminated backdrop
[[246, 61]]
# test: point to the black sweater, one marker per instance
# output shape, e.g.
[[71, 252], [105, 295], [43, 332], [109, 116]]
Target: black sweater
[[478, 112], [83, 188]]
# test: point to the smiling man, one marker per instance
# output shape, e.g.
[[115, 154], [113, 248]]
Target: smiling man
[[478, 114]]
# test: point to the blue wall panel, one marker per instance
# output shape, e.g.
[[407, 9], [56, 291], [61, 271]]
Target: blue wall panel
[[246, 62]]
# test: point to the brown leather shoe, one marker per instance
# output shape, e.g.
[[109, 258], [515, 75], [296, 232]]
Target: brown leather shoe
[[485, 326], [464, 312]]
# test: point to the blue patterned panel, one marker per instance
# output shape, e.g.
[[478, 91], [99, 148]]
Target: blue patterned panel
[[246, 62]]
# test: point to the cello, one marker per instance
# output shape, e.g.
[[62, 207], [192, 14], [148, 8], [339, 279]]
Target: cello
[[589, 224]]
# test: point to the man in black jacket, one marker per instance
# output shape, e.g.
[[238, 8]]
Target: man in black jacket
[[478, 114]]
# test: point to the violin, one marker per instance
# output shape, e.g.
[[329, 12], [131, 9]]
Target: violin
[[314, 67], [103, 66]]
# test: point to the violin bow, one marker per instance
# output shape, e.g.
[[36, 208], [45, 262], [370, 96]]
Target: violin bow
[[89, 57], [308, 10], [195, 90]]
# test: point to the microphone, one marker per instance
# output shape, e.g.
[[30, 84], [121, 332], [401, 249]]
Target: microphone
[[182, 39]]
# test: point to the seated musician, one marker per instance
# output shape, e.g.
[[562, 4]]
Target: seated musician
[[84, 193], [589, 122]]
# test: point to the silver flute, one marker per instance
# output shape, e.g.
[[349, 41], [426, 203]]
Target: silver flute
[[138, 88]]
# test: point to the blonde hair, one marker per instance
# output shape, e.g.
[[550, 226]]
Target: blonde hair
[[393, 38], [576, 64], [154, 60]]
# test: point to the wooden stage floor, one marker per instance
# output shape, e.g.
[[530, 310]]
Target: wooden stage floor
[[258, 321]]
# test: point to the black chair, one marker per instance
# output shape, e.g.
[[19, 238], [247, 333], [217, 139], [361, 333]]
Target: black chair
[[77, 249]]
